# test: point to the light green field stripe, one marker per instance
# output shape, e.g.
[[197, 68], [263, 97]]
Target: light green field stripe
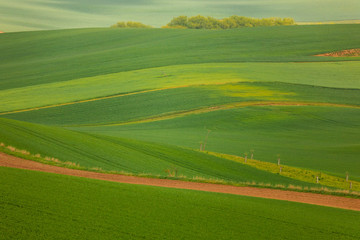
[[339, 75], [81, 101], [217, 108], [107, 97]]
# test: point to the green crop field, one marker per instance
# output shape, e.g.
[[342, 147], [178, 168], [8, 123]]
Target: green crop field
[[48, 206], [142, 100], [116, 154], [245, 107], [333, 75], [45, 56], [322, 138]]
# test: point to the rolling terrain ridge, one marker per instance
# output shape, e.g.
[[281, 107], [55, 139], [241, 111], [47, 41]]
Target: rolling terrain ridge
[[183, 104]]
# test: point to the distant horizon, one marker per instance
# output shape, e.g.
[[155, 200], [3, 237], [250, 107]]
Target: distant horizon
[[25, 15], [297, 23]]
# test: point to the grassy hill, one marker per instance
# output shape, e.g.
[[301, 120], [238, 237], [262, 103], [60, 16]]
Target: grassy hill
[[306, 137], [53, 56], [41, 205], [155, 101], [142, 100], [335, 76], [131, 156]]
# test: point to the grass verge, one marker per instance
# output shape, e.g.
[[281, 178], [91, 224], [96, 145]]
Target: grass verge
[[301, 174]]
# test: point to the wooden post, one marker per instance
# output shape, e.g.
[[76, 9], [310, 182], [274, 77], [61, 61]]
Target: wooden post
[[252, 154], [280, 169], [350, 185], [245, 157], [279, 161], [317, 179], [206, 138], [347, 176]]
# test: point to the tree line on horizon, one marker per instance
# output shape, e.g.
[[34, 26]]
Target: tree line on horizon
[[201, 22]]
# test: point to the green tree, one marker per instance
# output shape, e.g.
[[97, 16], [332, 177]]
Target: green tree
[[197, 22], [137, 25], [119, 25], [130, 24], [213, 23], [179, 21], [201, 22]]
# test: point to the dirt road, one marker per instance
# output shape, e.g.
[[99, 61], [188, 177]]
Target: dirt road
[[310, 198]]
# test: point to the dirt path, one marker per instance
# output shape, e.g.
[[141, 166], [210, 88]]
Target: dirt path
[[344, 53], [310, 198]]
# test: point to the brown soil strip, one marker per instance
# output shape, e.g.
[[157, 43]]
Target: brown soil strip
[[310, 198], [217, 108], [344, 53]]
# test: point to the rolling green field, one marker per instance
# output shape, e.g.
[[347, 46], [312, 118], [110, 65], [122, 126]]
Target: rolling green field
[[334, 76], [142, 100], [131, 156], [321, 138], [178, 104], [79, 208], [54, 56]]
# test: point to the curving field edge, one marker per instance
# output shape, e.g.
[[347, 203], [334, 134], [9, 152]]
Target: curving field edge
[[302, 197]]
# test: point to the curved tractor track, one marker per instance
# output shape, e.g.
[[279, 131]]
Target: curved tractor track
[[310, 198]]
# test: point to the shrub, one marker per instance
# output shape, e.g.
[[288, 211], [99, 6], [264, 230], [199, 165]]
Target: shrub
[[130, 24]]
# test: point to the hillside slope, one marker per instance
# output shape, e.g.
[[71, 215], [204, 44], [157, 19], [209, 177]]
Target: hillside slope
[[143, 100], [52, 56]]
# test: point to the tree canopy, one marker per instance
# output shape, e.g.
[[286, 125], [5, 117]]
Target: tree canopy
[[201, 22]]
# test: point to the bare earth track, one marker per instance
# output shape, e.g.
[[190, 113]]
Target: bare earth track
[[310, 198], [344, 53]]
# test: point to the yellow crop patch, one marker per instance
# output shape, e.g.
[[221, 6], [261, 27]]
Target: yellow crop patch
[[247, 91]]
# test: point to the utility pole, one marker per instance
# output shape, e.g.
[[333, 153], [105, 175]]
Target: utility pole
[[206, 138]]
